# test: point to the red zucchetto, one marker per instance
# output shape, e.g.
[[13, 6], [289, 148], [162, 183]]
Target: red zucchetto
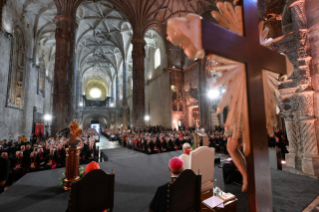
[[91, 166], [176, 164]]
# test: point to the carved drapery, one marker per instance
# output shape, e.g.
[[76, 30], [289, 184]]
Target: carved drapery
[[63, 71], [138, 56]]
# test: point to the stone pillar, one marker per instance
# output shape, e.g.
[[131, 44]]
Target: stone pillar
[[292, 133], [79, 97], [298, 101], [312, 15], [204, 112], [117, 90], [63, 71], [138, 56], [112, 91], [2, 3], [124, 103], [75, 104]]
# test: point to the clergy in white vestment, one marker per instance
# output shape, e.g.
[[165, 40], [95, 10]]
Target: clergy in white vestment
[[185, 156]]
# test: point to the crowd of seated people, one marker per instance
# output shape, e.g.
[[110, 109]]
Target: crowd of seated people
[[151, 140], [218, 140], [49, 154], [112, 135], [157, 139]]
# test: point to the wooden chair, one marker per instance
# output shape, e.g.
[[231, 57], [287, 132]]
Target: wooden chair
[[93, 193], [185, 193]]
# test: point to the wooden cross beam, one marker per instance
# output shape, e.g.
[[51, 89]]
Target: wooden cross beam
[[247, 49]]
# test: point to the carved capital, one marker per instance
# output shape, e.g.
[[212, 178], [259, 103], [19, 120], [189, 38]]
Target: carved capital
[[293, 17], [298, 106], [65, 18]]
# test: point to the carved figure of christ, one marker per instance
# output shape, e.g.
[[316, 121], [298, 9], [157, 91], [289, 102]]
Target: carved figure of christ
[[247, 50]]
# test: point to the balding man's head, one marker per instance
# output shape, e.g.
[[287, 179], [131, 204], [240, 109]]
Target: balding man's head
[[186, 146]]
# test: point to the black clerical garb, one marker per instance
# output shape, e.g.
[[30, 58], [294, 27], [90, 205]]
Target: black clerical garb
[[160, 201], [4, 164]]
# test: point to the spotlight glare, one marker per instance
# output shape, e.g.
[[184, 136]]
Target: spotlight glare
[[213, 93], [147, 118], [47, 117], [95, 93]]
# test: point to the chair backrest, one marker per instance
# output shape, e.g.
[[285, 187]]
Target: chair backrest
[[96, 154], [93, 193], [185, 193], [202, 159]]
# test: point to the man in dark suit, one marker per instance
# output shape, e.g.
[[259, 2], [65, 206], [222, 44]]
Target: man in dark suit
[[160, 200], [20, 164], [4, 170]]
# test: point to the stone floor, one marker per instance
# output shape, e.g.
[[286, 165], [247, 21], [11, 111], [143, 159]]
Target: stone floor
[[106, 144]]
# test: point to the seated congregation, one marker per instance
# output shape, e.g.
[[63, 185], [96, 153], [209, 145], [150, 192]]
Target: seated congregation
[[24, 157], [153, 140]]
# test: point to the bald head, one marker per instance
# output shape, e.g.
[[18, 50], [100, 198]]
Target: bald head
[[186, 146]]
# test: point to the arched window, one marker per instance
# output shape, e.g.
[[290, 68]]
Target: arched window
[[157, 58], [17, 70]]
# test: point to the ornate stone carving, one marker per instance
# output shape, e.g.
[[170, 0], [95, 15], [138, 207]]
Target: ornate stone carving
[[293, 132], [296, 101], [191, 95], [307, 145]]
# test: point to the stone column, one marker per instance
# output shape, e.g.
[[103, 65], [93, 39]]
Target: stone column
[[112, 91], [124, 103], [292, 133], [299, 98], [2, 3], [117, 90], [78, 96], [204, 112], [312, 15], [63, 71], [75, 104], [138, 56]]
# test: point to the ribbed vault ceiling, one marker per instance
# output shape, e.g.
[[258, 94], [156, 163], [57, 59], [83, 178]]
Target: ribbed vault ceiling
[[104, 34]]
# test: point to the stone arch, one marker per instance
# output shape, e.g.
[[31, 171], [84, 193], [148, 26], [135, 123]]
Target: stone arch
[[103, 119]]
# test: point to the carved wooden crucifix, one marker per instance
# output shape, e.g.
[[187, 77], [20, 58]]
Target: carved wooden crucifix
[[247, 49]]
